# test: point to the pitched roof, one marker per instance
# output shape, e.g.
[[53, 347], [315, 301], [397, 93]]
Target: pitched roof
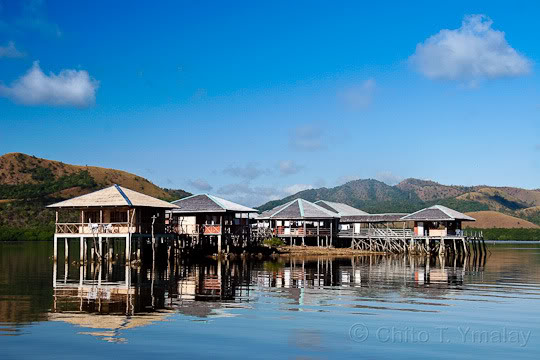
[[298, 209], [437, 213], [113, 196], [208, 203], [372, 218], [340, 208]]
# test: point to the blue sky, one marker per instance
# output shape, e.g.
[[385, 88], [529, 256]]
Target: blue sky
[[254, 101]]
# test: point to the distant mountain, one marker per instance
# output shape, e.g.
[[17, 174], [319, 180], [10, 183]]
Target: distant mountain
[[413, 194], [28, 184]]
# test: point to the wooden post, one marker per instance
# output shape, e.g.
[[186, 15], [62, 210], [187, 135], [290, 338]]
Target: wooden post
[[81, 250], [128, 248], [304, 235], [55, 256], [100, 239], [66, 249], [318, 239], [331, 231]]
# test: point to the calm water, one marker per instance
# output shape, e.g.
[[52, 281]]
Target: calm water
[[375, 307]]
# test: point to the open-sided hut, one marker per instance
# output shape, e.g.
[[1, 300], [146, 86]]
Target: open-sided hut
[[437, 221], [301, 220], [207, 219], [113, 212]]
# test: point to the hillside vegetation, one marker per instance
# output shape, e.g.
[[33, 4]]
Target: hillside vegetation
[[413, 194], [493, 219], [28, 184]]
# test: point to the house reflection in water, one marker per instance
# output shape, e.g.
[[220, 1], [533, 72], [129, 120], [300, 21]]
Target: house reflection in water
[[107, 299], [111, 298]]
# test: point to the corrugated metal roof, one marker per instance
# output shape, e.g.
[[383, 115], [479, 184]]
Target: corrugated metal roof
[[113, 196], [340, 208], [298, 209], [437, 213], [372, 218], [201, 203]]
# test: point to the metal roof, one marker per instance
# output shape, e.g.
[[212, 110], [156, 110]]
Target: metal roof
[[298, 209], [437, 213], [113, 196], [204, 203], [373, 218], [340, 208]]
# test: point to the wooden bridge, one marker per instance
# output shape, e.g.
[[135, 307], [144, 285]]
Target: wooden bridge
[[377, 239]]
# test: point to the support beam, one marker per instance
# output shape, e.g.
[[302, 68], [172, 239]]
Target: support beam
[[55, 256]]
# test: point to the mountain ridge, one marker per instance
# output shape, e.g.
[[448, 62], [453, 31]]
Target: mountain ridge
[[413, 194]]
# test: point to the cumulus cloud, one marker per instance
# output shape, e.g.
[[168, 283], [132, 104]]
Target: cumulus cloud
[[388, 178], [296, 188], [249, 172], [359, 97], [289, 167], [200, 184], [346, 178], [473, 52], [68, 88], [307, 138], [10, 51], [248, 195]]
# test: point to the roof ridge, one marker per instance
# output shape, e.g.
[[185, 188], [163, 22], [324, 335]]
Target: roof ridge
[[218, 203], [301, 207], [328, 212], [123, 194], [284, 207], [187, 197]]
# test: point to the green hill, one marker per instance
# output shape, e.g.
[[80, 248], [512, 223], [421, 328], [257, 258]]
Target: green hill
[[28, 184], [413, 194]]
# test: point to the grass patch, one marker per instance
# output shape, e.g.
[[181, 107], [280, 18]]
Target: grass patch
[[509, 234], [273, 242]]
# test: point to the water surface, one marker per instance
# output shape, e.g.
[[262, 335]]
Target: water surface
[[371, 306]]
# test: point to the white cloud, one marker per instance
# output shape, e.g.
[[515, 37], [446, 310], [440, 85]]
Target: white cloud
[[289, 167], [473, 52], [10, 51], [249, 172], [359, 97], [68, 88], [388, 178], [293, 189], [200, 184], [245, 194], [307, 138], [346, 178]]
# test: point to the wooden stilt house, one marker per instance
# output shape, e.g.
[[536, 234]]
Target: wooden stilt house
[[206, 219], [437, 221], [301, 220], [113, 212]]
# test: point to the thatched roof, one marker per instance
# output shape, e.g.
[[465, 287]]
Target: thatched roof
[[437, 213], [340, 208], [298, 209], [372, 218], [204, 203], [113, 196]]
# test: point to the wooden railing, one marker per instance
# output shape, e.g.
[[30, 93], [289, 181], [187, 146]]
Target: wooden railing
[[285, 231], [93, 228], [212, 229], [377, 233]]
